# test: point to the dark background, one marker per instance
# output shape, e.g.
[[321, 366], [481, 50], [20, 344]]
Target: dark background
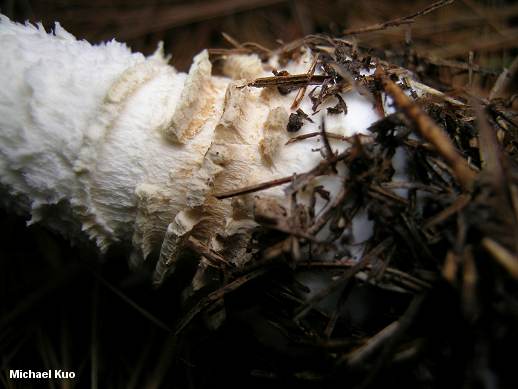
[[486, 27], [63, 307]]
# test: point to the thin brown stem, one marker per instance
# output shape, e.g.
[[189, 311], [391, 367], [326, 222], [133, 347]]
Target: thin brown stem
[[429, 130], [398, 21]]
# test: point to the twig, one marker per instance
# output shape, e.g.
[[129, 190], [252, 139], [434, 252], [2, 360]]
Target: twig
[[429, 90], [62, 277], [229, 51], [452, 64], [389, 274], [163, 364], [342, 280], [489, 148], [253, 188], [168, 16], [292, 80], [214, 258], [394, 336], [302, 90], [325, 139], [329, 210], [398, 21], [411, 185], [372, 345], [218, 294], [144, 355], [331, 135], [429, 130], [231, 40], [335, 285], [504, 257], [459, 203], [148, 315], [504, 80], [387, 194], [318, 170], [491, 43]]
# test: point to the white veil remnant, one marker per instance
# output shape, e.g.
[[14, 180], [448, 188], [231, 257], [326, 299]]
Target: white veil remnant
[[108, 145]]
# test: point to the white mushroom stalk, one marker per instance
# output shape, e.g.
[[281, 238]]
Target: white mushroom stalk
[[109, 145]]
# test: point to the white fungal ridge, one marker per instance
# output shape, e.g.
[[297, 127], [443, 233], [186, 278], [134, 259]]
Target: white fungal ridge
[[134, 149]]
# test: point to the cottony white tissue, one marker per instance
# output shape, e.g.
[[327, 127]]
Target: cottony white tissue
[[102, 143]]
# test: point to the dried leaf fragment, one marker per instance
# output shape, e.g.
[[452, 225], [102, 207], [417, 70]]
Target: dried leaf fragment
[[340, 107]]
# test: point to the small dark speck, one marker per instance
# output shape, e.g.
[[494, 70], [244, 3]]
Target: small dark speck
[[294, 123]]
